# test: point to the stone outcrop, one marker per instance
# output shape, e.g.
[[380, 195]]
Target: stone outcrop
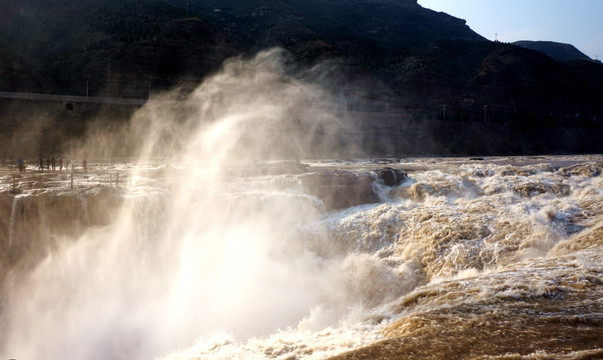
[[339, 189], [342, 189], [392, 177], [33, 224]]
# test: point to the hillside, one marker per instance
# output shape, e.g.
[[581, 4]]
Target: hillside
[[66, 43], [557, 51], [383, 56], [119, 47]]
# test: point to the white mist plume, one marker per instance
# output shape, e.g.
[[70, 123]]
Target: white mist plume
[[207, 253], [257, 109]]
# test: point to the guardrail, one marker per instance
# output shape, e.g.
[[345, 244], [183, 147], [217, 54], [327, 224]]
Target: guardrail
[[60, 179]]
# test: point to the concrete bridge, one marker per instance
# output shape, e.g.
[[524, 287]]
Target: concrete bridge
[[373, 112], [71, 99]]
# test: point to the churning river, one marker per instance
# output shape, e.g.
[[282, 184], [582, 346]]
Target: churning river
[[415, 258]]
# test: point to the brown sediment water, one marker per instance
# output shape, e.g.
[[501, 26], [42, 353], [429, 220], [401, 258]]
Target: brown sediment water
[[220, 242], [462, 260], [550, 308]]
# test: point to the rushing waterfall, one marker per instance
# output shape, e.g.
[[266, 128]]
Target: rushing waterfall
[[237, 243], [13, 215]]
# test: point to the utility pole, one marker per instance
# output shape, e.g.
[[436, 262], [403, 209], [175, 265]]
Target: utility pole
[[444, 110], [485, 116], [86, 88]]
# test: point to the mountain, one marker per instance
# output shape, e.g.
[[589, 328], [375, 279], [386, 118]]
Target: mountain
[[13, 75], [385, 56], [65, 43], [388, 23], [557, 51], [119, 47]]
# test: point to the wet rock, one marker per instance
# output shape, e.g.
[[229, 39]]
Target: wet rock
[[340, 189], [34, 222], [391, 177]]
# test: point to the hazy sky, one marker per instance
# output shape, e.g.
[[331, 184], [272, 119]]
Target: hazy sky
[[576, 22]]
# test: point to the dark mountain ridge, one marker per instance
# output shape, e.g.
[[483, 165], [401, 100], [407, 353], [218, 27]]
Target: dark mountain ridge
[[392, 57], [556, 50], [60, 41]]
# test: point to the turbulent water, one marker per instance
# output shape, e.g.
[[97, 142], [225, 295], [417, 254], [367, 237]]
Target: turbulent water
[[495, 258], [208, 245]]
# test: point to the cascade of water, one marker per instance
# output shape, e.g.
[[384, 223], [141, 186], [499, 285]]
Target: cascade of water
[[210, 258], [205, 250], [84, 206], [13, 216]]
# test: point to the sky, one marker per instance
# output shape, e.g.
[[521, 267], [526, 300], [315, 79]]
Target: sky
[[576, 22]]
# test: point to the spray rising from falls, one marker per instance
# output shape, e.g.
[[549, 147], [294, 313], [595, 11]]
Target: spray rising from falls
[[205, 251], [230, 246]]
